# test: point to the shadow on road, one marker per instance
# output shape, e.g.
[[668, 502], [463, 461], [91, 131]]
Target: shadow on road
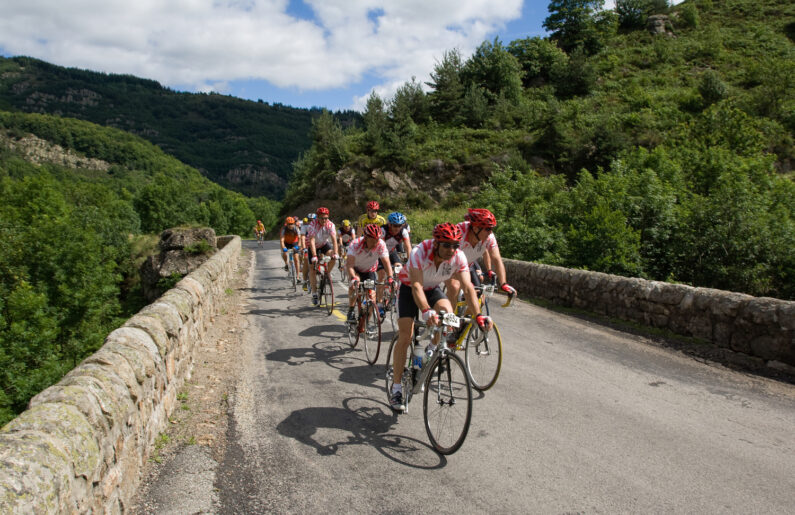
[[366, 422]]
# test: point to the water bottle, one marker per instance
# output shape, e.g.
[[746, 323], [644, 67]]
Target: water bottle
[[428, 353], [417, 360]]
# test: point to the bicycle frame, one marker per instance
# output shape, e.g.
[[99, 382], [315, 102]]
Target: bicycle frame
[[447, 323]]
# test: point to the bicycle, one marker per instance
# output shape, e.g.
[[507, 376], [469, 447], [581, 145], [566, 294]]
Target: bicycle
[[341, 265], [260, 238], [293, 272], [482, 354], [367, 322], [389, 301], [443, 380], [325, 289]]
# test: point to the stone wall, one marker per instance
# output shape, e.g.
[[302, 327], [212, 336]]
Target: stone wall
[[760, 327], [82, 444]]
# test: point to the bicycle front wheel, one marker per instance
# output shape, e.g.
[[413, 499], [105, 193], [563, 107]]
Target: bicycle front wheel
[[447, 403], [328, 293], [354, 329], [293, 274], [372, 334], [483, 355]]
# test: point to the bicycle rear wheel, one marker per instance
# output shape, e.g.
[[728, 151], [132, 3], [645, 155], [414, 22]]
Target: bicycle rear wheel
[[447, 403], [483, 356], [293, 274], [406, 379], [372, 334], [328, 292]]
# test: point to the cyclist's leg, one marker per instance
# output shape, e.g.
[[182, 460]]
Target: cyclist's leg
[[453, 287], [407, 311]]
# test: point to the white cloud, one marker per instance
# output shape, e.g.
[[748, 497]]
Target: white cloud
[[207, 43]]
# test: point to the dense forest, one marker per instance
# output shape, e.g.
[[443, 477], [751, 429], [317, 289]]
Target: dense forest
[[72, 238], [243, 145], [607, 146]]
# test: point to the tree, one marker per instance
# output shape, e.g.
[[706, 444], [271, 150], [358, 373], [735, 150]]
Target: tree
[[448, 90], [537, 57], [495, 70], [573, 23], [375, 121], [411, 100]]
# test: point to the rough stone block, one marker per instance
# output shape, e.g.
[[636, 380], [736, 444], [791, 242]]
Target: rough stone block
[[181, 300], [154, 328], [140, 350], [761, 311], [167, 314]]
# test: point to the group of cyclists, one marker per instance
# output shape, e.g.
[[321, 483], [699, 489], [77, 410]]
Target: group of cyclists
[[371, 250]]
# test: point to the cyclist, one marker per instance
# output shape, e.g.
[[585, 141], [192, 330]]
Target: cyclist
[[363, 254], [345, 234], [322, 239], [371, 216], [305, 249], [290, 237], [259, 230], [430, 264], [479, 241], [396, 238]]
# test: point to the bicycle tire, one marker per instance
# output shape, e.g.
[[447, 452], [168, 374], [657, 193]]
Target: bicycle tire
[[354, 330], [483, 357], [447, 403], [328, 293], [406, 379], [293, 274], [372, 334]]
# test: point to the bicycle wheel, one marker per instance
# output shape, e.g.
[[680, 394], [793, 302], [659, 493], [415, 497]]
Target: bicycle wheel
[[406, 379], [447, 403], [372, 334], [293, 274], [328, 292], [483, 356], [354, 329]]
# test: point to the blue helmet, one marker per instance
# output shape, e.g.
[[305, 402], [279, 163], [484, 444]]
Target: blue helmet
[[396, 218], [311, 216]]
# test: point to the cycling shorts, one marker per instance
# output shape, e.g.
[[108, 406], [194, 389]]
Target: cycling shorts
[[393, 258], [406, 305], [364, 276], [325, 248]]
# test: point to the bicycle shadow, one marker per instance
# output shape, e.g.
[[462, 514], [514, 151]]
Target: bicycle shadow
[[367, 421]]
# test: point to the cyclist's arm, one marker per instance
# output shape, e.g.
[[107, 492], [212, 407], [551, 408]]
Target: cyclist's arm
[[336, 247], [406, 245], [415, 277], [469, 291], [312, 249], [349, 263], [387, 266]]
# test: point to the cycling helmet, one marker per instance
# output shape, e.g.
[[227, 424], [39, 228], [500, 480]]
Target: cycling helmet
[[346, 223], [482, 218], [290, 220], [447, 232], [322, 211], [372, 230], [259, 221], [306, 220], [396, 218], [373, 206], [311, 216]]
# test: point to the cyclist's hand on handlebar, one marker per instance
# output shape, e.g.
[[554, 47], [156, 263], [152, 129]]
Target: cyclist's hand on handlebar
[[313, 260], [284, 249], [334, 256], [507, 288], [354, 282], [484, 322], [390, 281], [430, 317], [491, 275]]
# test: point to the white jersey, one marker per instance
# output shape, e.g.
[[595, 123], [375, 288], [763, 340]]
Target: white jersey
[[392, 241], [346, 237], [474, 253], [421, 257], [323, 233], [366, 260]]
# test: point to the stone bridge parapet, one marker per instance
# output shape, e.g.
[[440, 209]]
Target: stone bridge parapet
[[82, 444]]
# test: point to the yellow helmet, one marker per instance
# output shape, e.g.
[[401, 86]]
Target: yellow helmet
[[306, 220], [346, 223]]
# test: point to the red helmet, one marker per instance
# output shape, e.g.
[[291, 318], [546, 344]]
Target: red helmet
[[373, 206], [372, 230], [322, 211], [482, 218], [447, 232]]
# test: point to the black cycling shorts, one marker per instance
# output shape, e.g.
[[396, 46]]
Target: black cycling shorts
[[363, 276], [325, 248], [393, 258], [406, 305], [474, 268]]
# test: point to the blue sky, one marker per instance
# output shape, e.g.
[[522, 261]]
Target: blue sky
[[304, 53]]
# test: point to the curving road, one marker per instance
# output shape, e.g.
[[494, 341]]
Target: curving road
[[583, 419]]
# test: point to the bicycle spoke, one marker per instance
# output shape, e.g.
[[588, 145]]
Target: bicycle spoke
[[447, 404]]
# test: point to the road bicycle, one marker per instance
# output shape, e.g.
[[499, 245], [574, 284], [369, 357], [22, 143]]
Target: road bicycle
[[436, 372], [341, 265], [368, 323], [292, 270], [389, 301], [325, 288], [482, 349], [260, 238]]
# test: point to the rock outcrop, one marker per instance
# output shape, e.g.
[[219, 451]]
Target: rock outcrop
[[181, 252]]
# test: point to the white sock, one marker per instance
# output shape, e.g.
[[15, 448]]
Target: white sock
[[397, 387]]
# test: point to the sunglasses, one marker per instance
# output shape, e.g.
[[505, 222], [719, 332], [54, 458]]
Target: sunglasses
[[396, 226], [323, 218], [448, 245]]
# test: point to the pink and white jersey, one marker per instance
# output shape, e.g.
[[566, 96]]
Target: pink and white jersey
[[421, 257], [366, 260], [323, 233], [392, 241], [474, 253]]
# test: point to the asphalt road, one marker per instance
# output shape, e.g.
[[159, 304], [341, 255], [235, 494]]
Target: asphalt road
[[583, 419]]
